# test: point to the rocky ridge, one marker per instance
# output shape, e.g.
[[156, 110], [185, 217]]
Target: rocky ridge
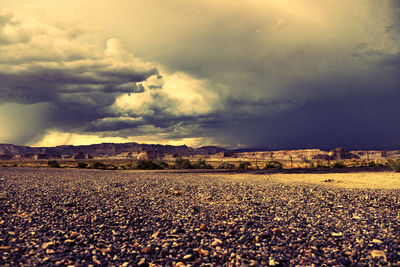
[[168, 152]]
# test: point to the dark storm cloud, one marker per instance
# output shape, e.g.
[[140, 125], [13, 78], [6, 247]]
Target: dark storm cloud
[[267, 73], [46, 84]]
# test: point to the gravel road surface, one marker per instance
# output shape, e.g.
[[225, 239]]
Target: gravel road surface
[[156, 218]]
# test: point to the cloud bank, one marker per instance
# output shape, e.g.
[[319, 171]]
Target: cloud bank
[[277, 74]]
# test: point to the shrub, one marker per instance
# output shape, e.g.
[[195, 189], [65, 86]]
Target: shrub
[[123, 167], [321, 164], [181, 163], [150, 165], [99, 165], [371, 164], [339, 165], [111, 167], [244, 165], [82, 165], [53, 164], [162, 164], [273, 165], [394, 164], [226, 166], [201, 164]]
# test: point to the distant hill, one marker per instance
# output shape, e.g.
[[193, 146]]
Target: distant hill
[[168, 152], [108, 149]]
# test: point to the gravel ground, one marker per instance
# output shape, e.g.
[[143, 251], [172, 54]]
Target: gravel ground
[[133, 218]]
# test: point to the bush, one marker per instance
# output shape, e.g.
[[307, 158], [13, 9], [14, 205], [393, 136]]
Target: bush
[[339, 165], [181, 163], [111, 167], [244, 165], [53, 164], [82, 165], [150, 165], [273, 165], [226, 166], [201, 164], [394, 164], [99, 165], [371, 164]]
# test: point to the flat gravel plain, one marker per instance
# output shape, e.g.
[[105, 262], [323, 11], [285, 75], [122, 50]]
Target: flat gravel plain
[[62, 217]]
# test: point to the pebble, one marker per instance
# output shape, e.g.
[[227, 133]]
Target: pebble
[[203, 252], [337, 234], [378, 254], [73, 235], [216, 242], [277, 231], [203, 227], [128, 218], [146, 250], [377, 241], [186, 257], [47, 244], [177, 193]]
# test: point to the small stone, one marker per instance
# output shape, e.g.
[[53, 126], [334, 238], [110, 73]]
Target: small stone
[[69, 241], [351, 253], [96, 261], [378, 253], [203, 227], [146, 250], [73, 234], [5, 248], [142, 261], [178, 231], [165, 245], [377, 241], [155, 235], [203, 252], [126, 264], [216, 242], [277, 231], [177, 193], [337, 234], [186, 257], [271, 262], [50, 251], [180, 264], [47, 244]]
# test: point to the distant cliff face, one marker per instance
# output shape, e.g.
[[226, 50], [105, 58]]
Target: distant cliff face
[[150, 151], [312, 154], [107, 149]]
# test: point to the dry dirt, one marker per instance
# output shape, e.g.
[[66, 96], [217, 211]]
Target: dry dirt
[[362, 180]]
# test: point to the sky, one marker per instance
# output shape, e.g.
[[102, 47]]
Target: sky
[[276, 74]]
